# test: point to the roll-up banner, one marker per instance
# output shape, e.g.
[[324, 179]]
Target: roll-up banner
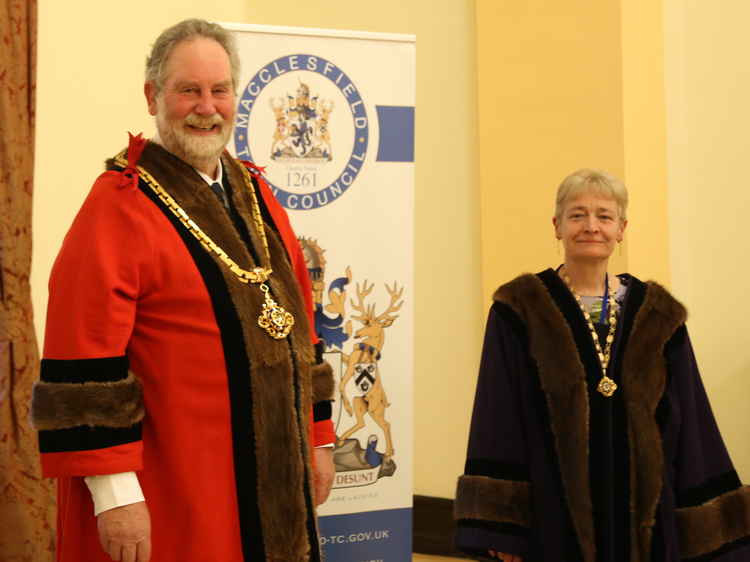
[[329, 114]]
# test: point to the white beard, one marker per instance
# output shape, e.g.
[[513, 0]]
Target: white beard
[[196, 150]]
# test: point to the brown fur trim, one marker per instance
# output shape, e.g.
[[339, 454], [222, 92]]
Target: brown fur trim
[[279, 377], [644, 380], [707, 527], [563, 381], [323, 385], [282, 507], [100, 404], [492, 499], [283, 282]]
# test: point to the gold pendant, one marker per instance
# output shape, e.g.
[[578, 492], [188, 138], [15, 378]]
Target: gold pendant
[[607, 386], [274, 319]]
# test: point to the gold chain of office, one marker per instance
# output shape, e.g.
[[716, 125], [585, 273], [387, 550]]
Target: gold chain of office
[[606, 386], [274, 319]]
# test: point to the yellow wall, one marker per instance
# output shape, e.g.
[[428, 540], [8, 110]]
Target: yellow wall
[[644, 138], [550, 102], [707, 90], [91, 57], [560, 87]]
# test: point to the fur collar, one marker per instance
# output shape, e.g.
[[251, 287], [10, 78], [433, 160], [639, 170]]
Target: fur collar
[[562, 350], [280, 375]]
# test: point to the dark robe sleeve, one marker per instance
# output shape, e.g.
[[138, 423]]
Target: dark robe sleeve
[[493, 503], [713, 508]]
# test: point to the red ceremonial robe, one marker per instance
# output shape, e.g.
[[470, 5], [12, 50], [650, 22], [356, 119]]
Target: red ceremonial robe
[[139, 307]]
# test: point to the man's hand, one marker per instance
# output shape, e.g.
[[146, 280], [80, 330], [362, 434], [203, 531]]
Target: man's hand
[[323, 473], [125, 532]]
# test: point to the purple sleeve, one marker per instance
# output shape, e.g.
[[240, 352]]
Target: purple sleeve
[[493, 503], [713, 508]]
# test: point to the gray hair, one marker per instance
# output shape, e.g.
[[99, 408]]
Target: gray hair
[[597, 181], [188, 30]]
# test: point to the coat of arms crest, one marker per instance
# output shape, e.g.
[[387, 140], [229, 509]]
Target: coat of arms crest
[[302, 126]]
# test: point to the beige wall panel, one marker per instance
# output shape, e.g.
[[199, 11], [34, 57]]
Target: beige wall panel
[[89, 94], [90, 83], [645, 137], [707, 92], [550, 102]]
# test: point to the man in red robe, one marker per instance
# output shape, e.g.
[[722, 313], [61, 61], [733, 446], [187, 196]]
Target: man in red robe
[[183, 403]]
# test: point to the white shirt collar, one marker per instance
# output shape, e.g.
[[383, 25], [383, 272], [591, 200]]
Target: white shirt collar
[[209, 180]]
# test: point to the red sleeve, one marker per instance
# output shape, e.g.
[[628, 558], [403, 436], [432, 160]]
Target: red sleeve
[[93, 290], [98, 275], [323, 433]]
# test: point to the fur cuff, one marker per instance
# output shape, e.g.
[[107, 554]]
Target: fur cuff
[[709, 526], [491, 499], [102, 404], [322, 382]]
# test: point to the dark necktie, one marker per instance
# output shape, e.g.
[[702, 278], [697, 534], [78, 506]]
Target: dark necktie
[[219, 191]]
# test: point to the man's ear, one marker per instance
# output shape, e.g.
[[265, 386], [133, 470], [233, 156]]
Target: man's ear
[[149, 90]]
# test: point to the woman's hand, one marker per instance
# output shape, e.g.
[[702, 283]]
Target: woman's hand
[[505, 557]]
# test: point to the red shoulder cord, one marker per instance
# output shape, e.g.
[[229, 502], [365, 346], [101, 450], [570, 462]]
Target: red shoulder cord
[[253, 169], [136, 144]]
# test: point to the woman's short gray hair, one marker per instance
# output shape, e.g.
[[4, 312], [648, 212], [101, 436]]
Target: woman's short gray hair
[[187, 30], [598, 181]]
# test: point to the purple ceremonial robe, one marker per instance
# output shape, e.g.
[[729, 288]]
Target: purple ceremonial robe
[[557, 472]]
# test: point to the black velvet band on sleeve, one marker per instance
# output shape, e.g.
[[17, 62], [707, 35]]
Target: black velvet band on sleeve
[[322, 411], [105, 369], [85, 404], [319, 349], [497, 469], [86, 438], [711, 488]]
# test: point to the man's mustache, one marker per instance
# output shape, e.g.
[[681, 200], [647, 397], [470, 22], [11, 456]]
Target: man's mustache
[[204, 122]]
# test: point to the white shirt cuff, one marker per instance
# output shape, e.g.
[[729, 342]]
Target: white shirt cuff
[[114, 490]]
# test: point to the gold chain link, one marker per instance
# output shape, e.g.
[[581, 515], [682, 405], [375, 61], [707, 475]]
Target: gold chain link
[[255, 275]]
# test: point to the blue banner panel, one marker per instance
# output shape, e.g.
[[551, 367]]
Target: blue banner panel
[[371, 536], [396, 126]]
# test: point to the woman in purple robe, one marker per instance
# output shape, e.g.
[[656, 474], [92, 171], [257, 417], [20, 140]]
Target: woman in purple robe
[[592, 439]]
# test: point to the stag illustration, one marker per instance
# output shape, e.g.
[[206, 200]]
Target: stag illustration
[[362, 364]]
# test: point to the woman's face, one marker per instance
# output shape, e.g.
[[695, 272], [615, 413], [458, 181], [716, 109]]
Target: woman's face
[[590, 227]]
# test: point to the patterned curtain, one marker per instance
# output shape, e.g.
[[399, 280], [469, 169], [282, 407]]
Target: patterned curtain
[[27, 528]]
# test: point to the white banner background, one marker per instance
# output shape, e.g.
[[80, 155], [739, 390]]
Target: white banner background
[[366, 228]]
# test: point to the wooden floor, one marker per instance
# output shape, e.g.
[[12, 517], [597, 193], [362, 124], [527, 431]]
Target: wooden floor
[[430, 558]]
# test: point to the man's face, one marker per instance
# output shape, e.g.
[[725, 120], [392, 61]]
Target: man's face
[[195, 108]]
